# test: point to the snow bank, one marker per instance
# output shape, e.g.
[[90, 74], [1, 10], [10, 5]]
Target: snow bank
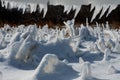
[[50, 68]]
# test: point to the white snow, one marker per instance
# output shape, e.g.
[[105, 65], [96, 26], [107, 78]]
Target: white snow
[[84, 53], [111, 70], [32, 53]]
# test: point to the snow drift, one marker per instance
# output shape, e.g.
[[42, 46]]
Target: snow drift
[[50, 68]]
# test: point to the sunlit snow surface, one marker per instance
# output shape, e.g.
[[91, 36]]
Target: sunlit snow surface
[[84, 53]]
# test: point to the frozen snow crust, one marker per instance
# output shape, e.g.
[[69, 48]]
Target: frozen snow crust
[[81, 53]]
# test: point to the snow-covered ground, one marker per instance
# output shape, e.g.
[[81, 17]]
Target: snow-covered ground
[[83, 53]]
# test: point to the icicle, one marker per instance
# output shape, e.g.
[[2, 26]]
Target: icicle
[[43, 7], [33, 7], [2, 3], [23, 6], [77, 8], [6, 4], [67, 8], [107, 25], [28, 8], [87, 22], [92, 6], [97, 9], [81, 60], [112, 7], [105, 7]]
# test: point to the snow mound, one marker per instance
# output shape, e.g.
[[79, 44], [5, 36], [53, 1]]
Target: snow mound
[[111, 70], [50, 68], [25, 49]]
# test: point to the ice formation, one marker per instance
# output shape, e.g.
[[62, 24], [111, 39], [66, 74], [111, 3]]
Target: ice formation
[[24, 52], [29, 44], [86, 71], [47, 65], [106, 54], [81, 60], [16, 37], [50, 65], [111, 70], [117, 47]]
